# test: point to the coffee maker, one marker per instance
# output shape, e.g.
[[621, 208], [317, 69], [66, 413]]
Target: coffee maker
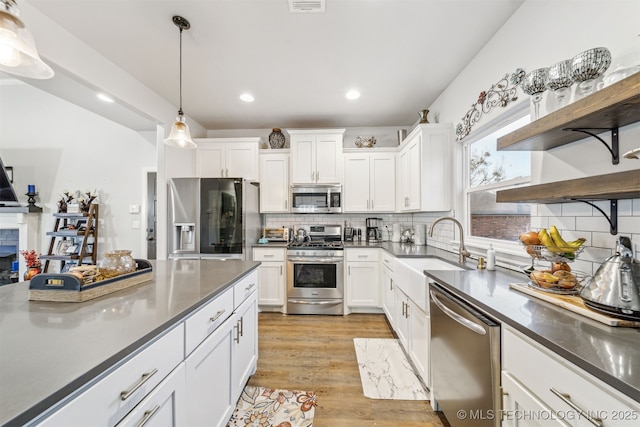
[[373, 230]]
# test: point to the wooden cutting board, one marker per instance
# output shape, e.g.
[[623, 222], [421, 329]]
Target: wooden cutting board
[[575, 304]]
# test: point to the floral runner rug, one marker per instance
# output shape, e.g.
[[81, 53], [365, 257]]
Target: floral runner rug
[[266, 407], [385, 371]]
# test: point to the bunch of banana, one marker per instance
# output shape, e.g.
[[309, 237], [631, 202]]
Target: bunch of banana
[[554, 242]]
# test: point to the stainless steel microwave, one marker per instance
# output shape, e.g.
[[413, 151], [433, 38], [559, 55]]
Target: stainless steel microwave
[[310, 198]]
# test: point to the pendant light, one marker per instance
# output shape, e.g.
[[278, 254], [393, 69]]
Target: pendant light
[[18, 54], [180, 136]]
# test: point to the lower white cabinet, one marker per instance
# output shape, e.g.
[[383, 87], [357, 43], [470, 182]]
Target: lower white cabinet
[[410, 320], [387, 287], [219, 367], [567, 393], [163, 406], [112, 398], [209, 384], [272, 276], [362, 283]]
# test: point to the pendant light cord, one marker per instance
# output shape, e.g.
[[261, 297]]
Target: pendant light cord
[[180, 110]]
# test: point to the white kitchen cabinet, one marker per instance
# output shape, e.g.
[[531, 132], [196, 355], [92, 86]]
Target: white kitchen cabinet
[[387, 287], [424, 172], [565, 389], [369, 181], [244, 357], [274, 181], [316, 156], [162, 407], [208, 378], [413, 330], [113, 397], [217, 370], [519, 402], [362, 283], [227, 158], [272, 277]]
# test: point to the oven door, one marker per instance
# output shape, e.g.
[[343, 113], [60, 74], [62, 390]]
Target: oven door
[[315, 285]]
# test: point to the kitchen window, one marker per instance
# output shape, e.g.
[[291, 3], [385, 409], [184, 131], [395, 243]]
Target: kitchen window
[[488, 171]]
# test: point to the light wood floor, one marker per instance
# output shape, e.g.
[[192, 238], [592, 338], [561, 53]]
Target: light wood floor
[[316, 353]]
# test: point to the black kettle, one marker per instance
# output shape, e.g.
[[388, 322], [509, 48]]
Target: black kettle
[[615, 287]]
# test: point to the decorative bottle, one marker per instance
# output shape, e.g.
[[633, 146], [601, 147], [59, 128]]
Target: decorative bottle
[[491, 258]]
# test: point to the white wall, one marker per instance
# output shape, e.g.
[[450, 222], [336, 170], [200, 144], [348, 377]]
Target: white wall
[[58, 146], [539, 34]]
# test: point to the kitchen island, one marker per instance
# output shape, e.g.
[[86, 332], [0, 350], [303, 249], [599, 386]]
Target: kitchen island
[[50, 351]]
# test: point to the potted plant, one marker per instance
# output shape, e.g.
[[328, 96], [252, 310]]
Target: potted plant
[[32, 260]]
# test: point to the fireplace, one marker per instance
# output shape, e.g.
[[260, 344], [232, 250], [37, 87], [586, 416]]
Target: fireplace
[[19, 230]]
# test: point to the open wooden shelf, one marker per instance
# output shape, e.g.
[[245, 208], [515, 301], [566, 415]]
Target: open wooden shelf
[[613, 186], [611, 107]]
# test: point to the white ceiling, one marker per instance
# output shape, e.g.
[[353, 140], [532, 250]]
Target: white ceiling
[[400, 54]]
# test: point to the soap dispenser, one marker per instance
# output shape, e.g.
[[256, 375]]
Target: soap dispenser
[[491, 258]]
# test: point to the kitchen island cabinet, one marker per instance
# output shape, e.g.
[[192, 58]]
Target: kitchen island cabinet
[[54, 353]]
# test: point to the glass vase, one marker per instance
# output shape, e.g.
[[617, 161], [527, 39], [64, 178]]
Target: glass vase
[[117, 263]]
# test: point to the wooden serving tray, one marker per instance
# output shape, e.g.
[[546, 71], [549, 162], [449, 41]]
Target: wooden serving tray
[[573, 303], [67, 288]]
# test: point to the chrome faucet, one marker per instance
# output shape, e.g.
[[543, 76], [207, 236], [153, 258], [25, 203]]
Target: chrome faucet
[[463, 252]]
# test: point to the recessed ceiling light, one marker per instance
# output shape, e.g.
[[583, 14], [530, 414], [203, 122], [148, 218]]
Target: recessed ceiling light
[[247, 97], [352, 94], [105, 98]]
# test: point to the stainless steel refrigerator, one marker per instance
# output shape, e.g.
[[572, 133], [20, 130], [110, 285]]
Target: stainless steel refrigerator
[[213, 218]]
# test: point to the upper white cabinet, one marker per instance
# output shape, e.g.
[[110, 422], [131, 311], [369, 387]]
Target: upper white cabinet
[[316, 156], [274, 181], [424, 173], [227, 158], [370, 180]]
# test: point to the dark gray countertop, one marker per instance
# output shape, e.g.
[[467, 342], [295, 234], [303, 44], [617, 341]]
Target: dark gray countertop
[[611, 354], [49, 350]]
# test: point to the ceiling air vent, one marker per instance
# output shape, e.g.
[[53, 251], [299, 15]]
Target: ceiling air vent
[[306, 6]]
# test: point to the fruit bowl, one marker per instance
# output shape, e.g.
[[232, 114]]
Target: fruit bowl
[[544, 253], [560, 282]]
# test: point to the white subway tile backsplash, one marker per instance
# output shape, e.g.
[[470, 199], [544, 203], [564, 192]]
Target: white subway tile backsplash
[[629, 224], [592, 223], [576, 209], [554, 209], [625, 208]]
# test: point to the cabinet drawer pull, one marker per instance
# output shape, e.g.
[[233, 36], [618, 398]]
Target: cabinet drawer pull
[[363, 256], [124, 395], [241, 326], [281, 270], [147, 416], [217, 315], [268, 255], [237, 338], [248, 288], [566, 398]]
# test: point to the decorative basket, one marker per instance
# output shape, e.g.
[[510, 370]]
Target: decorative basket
[[68, 288], [542, 252]]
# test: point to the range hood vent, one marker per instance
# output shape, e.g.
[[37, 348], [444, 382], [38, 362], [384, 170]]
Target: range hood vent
[[306, 6]]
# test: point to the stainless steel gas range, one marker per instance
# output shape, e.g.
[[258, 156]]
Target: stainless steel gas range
[[315, 281]]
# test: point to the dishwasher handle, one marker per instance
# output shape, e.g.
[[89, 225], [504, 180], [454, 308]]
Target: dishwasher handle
[[455, 316]]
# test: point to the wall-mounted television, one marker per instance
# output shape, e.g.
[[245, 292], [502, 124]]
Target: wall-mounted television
[[8, 196]]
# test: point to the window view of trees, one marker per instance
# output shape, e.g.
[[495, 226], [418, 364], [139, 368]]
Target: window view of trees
[[489, 171]]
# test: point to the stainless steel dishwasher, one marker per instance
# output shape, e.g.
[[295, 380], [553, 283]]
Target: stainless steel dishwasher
[[465, 361]]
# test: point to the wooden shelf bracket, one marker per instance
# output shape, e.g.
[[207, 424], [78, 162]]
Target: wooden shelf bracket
[[612, 218], [614, 150]]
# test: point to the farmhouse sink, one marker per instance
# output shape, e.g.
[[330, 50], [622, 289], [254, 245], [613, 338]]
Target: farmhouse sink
[[422, 264], [411, 279]]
